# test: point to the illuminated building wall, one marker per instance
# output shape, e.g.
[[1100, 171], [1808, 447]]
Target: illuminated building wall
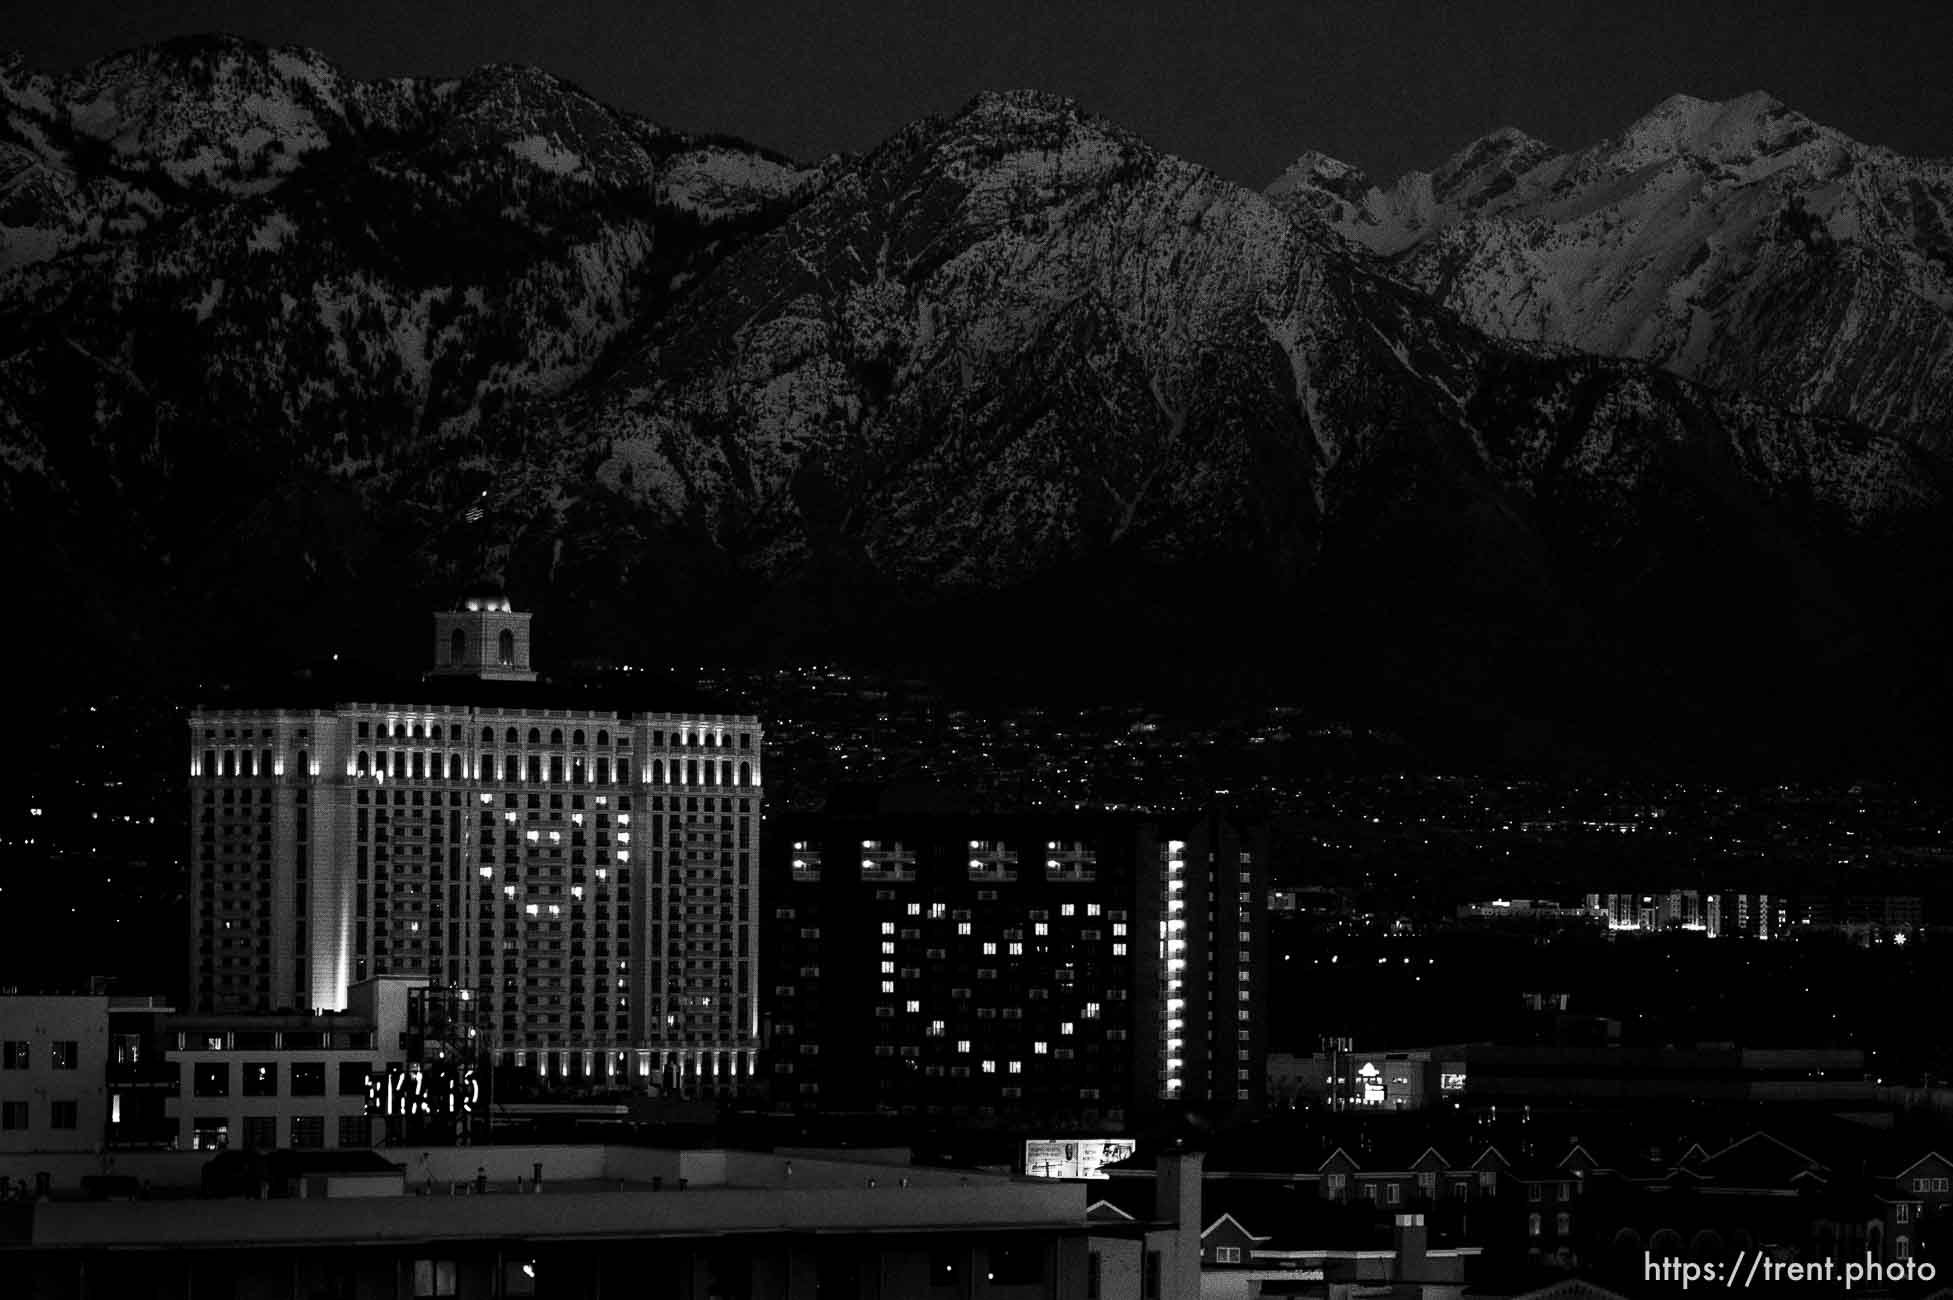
[[962, 964], [586, 877], [1214, 925]]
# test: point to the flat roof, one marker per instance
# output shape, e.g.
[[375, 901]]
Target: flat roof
[[556, 1214]]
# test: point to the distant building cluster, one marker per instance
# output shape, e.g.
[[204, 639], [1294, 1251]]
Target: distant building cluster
[[425, 922]]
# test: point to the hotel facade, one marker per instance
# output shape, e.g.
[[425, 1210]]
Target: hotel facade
[[586, 879]]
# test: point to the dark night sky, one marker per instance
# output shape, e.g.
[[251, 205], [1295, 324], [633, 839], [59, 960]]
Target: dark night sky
[[1239, 85]]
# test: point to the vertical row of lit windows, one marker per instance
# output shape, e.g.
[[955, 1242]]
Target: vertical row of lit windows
[[1173, 962]]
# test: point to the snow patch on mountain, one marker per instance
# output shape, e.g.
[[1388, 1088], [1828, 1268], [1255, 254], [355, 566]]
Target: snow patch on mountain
[[548, 154]]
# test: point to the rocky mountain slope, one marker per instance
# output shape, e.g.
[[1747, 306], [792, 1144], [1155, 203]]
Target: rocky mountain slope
[[1013, 390], [1737, 243]]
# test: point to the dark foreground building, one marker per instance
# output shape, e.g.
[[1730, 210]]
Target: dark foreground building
[[603, 1221], [1073, 969]]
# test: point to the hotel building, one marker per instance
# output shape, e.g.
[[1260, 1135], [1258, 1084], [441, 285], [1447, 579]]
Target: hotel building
[[586, 878], [1071, 969]]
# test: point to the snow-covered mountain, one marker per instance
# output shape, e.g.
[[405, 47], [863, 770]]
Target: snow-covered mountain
[[1012, 387], [1738, 243]]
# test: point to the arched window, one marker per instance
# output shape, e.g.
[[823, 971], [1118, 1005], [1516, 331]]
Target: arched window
[[657, 771], [603, 737], [365, 762], [1532, 1224], [457, 648], [488, 735], [304, 764], [745, 774], [535, 735], [399, 731], [505, 646], [454, 767], [435, 733], [555, 735], [576, 737], [511, 735], [420, 732]]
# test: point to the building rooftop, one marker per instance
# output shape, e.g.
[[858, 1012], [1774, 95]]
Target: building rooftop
[[585, 1192], [333, 687]]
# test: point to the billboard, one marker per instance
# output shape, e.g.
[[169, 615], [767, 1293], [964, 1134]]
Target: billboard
[[413, 1090], [1080, 1158]]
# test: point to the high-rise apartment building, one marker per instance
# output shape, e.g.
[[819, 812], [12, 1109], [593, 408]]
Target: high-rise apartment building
[[587, 878], [1072, 969]]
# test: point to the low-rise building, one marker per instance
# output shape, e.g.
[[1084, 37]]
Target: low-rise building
[[589, 1221], [53, 1063], [270, 1081]]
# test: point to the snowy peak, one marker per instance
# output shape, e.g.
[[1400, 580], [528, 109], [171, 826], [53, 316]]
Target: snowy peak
[[1734, 241], [1742, 129], [129, 144], [207, 111], [1487, 168], [1389, 220]]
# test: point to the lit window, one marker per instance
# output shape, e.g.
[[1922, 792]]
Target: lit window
[[963, 1045], [1118, 950], [1069, 909], [1091, 909], [1017, 1067], [912, 1006], [888, 986], [1040, 1048], [915, 909], [962, 927], [989, 1067], [1118, 927], [1091, 1011], [1042, 927], [888, 968], [990, 950], [1066, 1027], [888, 947], [1017, 950], [888, 927]]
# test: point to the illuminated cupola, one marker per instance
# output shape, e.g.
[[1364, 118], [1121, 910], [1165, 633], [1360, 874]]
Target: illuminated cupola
[[483, 638]]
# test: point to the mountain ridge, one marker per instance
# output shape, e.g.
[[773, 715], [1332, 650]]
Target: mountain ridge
[[1011, 389], [1736, 242]]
